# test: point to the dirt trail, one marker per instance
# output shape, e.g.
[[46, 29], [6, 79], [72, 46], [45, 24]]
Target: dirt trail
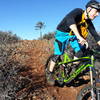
[[34, 53]]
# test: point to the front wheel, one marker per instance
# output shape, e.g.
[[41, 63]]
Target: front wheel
[[85, 93]]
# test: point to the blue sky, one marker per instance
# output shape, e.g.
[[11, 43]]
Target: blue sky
[[20, 16]]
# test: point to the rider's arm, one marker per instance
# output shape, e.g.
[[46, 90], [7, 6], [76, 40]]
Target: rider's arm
[[71, 19], [93, 32], [73, 27]]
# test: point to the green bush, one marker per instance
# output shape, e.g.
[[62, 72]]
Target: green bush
[[49, 36]]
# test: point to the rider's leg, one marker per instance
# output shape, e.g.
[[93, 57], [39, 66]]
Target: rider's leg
[[78, 55], [78, 49], [61, 40], [53, 62], [58, 51], [75, 58]]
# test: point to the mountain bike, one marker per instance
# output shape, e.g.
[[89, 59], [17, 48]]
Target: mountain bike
[[65, 71]]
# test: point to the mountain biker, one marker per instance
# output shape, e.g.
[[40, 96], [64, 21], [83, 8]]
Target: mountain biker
[[74, 29]]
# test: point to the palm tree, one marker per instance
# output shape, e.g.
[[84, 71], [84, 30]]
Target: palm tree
[[39, 26]]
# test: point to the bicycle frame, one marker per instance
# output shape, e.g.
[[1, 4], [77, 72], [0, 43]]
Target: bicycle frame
[[81, 68], [90, 65]]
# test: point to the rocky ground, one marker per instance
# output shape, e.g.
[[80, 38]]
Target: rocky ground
[[31, 55]]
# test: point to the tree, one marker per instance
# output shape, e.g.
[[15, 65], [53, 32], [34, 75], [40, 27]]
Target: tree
[[39, 26]]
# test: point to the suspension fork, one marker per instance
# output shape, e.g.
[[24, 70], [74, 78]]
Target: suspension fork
[[91, 78], [95, 81]]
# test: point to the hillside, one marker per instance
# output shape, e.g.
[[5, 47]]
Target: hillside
[[25, 75]]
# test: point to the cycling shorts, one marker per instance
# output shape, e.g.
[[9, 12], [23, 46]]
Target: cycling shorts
[[61, 42]]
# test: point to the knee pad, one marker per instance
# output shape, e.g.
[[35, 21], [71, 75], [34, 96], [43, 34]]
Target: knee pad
[[55, 58]]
